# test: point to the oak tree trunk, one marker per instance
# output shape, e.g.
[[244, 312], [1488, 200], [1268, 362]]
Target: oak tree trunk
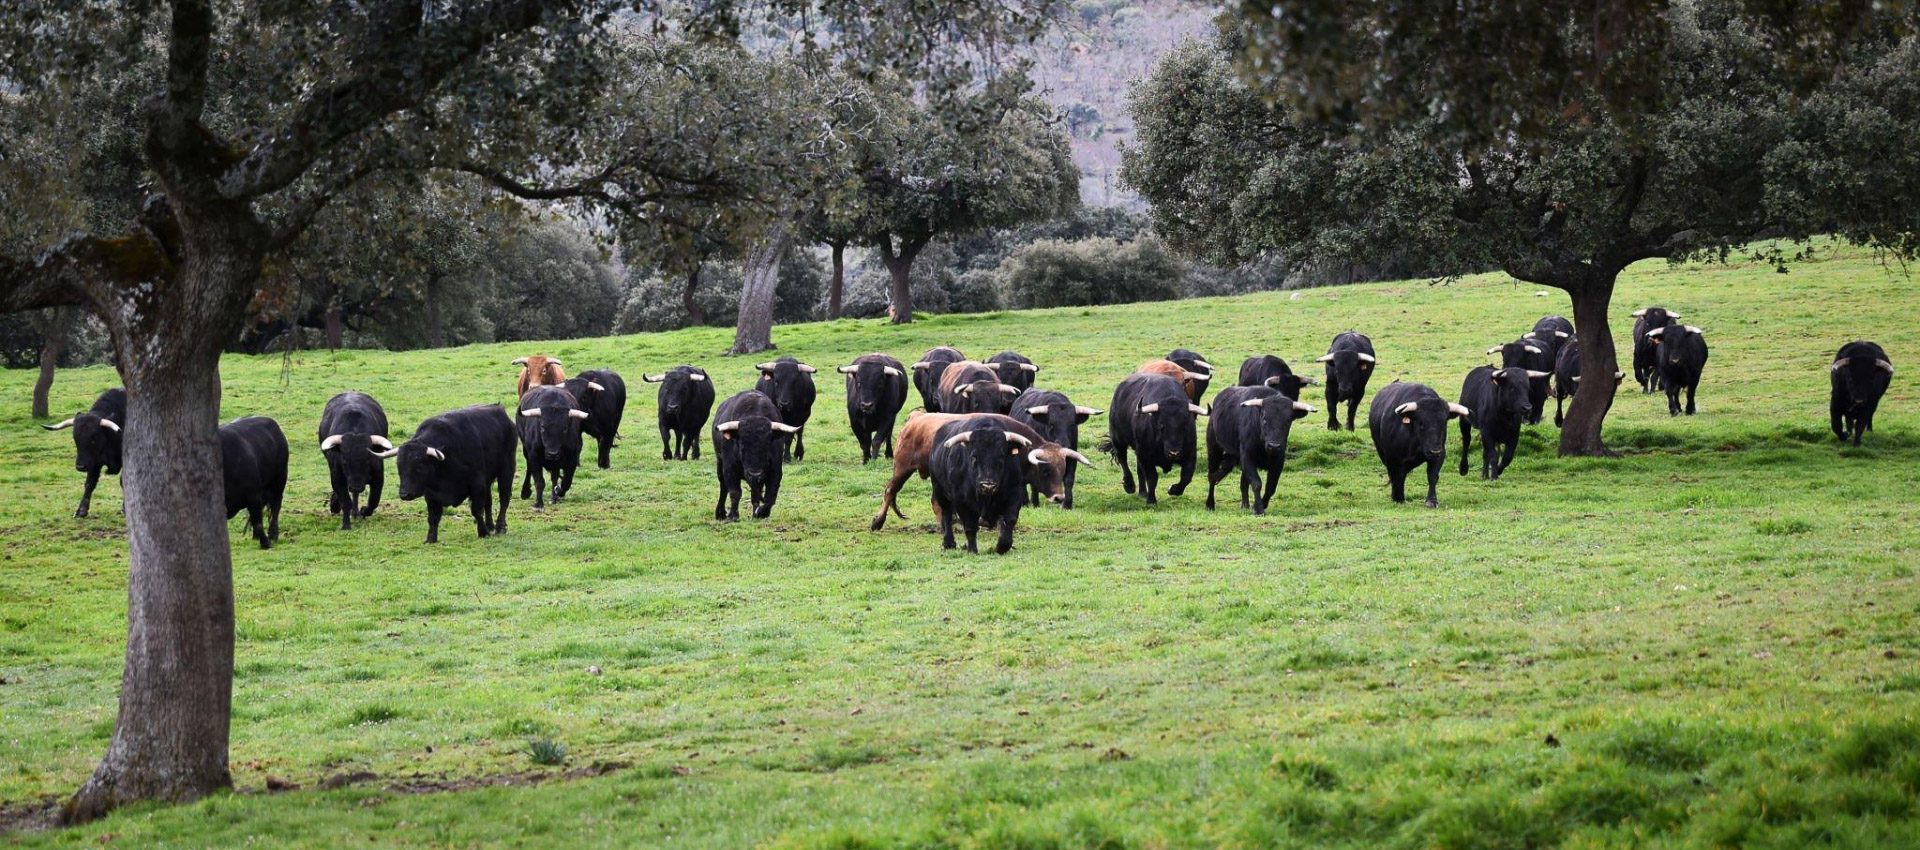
[[696, 316], [171, 737], [1580, 433], [836, 288], [436, 327], [58, 322], [336, 328], [900, 270], [754, 332]]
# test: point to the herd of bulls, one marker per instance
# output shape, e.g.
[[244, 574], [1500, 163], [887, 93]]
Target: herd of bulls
[[990, 440]]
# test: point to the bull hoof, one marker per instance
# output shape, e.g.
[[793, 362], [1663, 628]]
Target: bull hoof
[[1433, 503], [605, 465], [80, 513], [1176, 489], [366, 512]]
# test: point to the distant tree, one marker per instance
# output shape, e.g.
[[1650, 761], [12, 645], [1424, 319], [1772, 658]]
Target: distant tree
[[1057, 273], [996, 161], [1233, 175], [252, 118]]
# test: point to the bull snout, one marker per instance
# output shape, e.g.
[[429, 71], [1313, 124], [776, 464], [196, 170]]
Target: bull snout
[[1276, 447], [756, 475], [989, 486], [673, 408], [866, 407], [1173, 454], [1059, 498]]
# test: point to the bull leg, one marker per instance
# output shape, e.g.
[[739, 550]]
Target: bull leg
[[1067, 482], [866, 445], [480, 507], [86, 494], [1249, 483], [1005, 543], [1149, 479], [1186, 476], [946, 524], [1126, 472], [257, 526], [535, 481], [606, 451], [1333, 405], [1466, 442], [526, 484], [434, 510], [506, 489], [1398, 477], [1490, 465], [337, 500], [693, 445], [1690, 388], [971, 523], [888, 496], [1352, 406], [1273, 483], [800, 443], [1840, 420], [1506, 458], [887, 432], [1558, 399], [1673, 401], [349, 506], [273, 516], [374, 485], [668, 448], [1433, 483]]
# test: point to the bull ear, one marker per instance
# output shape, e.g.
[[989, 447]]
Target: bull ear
[[531, 411], [1458, 410], [595, 386], [1405, 409], [1366, 358], [1639, 314], [577, 414], [1150, 409], [1324, 358], [961, 438], [1197, 410], [1037, 410], [693, 376], [519, 361], [652, 379], [848, 370], [1253, 402], [728, 426], [331, 443], [1094, 411], [436, 454], [380, 441], [61, 426], [1537, 375], [784, 428]]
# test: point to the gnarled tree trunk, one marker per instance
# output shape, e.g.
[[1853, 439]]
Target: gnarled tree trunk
[[170, 739], [837, 287], [696, 315], [900, 269], [58, 322], [1580, 433], [754, 331]]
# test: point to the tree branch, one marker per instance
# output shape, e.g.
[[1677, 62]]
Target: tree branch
[[402, 63], [297, 220], [75, 272]]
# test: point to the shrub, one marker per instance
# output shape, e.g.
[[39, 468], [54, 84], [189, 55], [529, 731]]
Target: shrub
[[546, 751], [1056, 273]]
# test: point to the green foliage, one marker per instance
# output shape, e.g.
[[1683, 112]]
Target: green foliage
[[1056, 273], [652, 302], [546, 751]]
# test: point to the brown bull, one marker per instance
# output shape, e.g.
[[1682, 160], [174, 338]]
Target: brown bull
[[1177, 372], [913, 450], [539, 370]]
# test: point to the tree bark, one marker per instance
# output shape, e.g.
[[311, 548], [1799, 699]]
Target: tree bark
[[59, 321], [836, 288], [696, 315], [436, 327], [1580, 433], [171, 737], [336, 328], [900, 270], [754, 332]]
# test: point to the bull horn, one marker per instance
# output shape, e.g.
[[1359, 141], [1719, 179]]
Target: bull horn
[[577, 414], [1405, 409], [554, 361], [1880, 363], [727, 426], [1203, 364], [1253, 402], [110, 425], [805, 368], [965, 390], [331, 443], [595, 386], [1303, 406], [1029, 367], [1306, 381], [436, 454], [1037, 410], [1576, 378], [1015, 437], [1529, 335], [1672, 315], [1538, 375], [1077, 457], [1842, 364], [519, 361], [764, 367], [1195, 376], [1009, 389], [1617, 375], [1272, 382], [1533, 350], [531, 411], [696, 376], [921, 365], [1037, 458], [1494, 350], [784, 428], [1366, 357], [386, 454], [848, 370], [958, 439], [1458, 409], [1562, 334], [1692, 329], [1639, 314], [652, 379], [1150, 409], [380, 441], [1656, 333], [1324, 357], [61, 426], [1196, 410], [891, 371], [1083, 410]]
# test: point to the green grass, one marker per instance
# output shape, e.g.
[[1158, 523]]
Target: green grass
[[1708, 642]]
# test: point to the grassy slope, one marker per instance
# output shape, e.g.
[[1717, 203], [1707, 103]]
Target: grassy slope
[[1717, 629]]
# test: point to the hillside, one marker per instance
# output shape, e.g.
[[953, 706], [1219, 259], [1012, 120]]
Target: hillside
[[1708, 641]]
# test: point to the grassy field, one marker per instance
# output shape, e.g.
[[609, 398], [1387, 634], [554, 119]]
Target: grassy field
[[1711, 641]]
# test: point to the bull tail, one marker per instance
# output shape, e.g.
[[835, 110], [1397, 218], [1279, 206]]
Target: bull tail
[[1107, 447]]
